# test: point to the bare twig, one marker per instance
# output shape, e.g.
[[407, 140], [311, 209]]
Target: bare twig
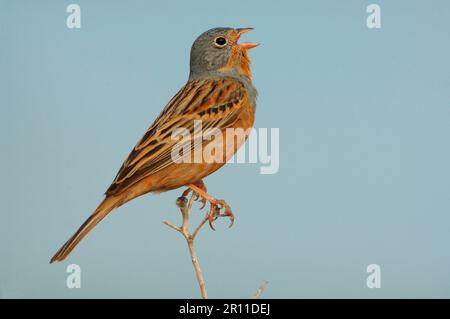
[[204, 220], [260, 290], [185, 208]]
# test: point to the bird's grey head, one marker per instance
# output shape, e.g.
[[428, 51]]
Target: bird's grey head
[[210, 51], [216, 48]]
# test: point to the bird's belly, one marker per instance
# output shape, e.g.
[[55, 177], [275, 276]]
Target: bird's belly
[[206, 159]]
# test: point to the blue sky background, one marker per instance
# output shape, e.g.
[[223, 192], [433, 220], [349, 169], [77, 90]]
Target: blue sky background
[[364, 118]]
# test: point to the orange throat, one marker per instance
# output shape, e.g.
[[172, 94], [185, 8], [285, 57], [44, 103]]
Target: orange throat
[[244, 65], [240, 61]]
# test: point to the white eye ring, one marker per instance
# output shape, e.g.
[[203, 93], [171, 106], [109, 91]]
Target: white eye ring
[[220, 42]]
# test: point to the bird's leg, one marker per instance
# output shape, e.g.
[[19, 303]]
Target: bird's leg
[[200, 185], [216, 204]]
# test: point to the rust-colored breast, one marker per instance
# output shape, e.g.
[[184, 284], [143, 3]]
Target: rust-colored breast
[[221, 104]]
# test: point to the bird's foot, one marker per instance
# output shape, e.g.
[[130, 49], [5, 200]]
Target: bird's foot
[[199, 197], [214, 212], [215, 205]]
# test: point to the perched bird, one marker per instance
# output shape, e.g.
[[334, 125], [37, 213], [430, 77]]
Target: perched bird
[[220, 95]]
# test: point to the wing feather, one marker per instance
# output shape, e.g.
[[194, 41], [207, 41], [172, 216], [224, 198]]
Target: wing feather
[[215, 102]]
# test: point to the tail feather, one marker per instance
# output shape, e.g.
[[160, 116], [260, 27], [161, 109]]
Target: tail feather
[[107, 205]]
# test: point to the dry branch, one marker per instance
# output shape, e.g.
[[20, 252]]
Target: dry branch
[[185, 208]]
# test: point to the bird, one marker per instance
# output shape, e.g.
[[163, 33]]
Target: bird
[[219, 94]]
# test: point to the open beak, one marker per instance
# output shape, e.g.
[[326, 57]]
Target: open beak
[[245, 45]]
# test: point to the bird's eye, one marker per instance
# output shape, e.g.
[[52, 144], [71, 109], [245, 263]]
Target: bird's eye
[[220, 42]]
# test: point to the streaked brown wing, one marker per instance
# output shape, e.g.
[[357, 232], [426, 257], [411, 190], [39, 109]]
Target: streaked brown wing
[[215, 102]]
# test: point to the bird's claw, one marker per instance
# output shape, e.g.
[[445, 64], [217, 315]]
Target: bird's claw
[[228, 213], [212, 217], [203, 200], [216, 205], [214, 212], [197, 197]]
